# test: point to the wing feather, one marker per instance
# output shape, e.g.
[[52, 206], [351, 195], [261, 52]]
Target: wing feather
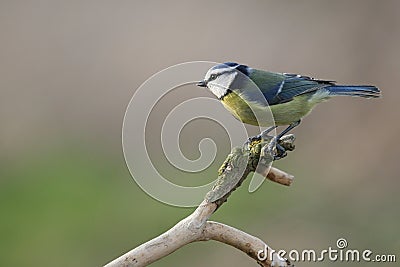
[[293, 85]]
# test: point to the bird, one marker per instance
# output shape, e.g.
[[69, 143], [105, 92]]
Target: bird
[[248, 93]]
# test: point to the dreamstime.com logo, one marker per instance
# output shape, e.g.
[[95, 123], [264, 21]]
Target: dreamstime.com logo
[[341, 253], [161, 110]]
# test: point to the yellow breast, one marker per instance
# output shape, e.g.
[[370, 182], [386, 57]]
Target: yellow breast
[[247, 111], [255, 113]]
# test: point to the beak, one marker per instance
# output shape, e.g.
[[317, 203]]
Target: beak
[[202, 84]]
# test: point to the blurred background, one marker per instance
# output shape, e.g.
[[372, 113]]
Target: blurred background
[[68, 70]]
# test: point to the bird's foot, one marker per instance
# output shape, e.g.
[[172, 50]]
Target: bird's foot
[[280, 144], [283, 144], [252, 139], [280, 151], [263, 136]]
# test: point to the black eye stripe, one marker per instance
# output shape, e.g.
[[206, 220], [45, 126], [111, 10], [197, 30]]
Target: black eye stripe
[[239, 68]]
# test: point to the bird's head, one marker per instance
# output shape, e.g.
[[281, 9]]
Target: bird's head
[[222, 77]]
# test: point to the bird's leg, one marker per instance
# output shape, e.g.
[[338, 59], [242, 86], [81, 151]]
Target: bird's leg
[[260, 136], [264, 134], [288, 129], [280, 151]]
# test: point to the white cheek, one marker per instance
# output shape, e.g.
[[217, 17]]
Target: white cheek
[[222, 84], [217, 90]]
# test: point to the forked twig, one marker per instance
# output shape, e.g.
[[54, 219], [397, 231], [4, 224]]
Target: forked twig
[[256, 157]]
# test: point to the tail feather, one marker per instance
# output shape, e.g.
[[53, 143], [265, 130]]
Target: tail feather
[[367, 91]]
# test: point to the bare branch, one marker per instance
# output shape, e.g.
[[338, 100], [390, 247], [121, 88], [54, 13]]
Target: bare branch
[[196, 227], [278, 176], [252, 246], [184, 232], [193, 228]]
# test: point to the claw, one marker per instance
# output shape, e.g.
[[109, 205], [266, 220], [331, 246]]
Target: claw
[[262, 136], [252, 139], [280, 150]]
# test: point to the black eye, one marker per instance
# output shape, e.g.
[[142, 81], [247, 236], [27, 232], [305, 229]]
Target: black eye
[[213, 76]]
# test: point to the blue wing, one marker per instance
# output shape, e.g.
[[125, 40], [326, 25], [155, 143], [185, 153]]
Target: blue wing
[[293, 85]]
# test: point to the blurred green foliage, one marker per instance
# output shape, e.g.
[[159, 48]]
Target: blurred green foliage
[[76, 206]]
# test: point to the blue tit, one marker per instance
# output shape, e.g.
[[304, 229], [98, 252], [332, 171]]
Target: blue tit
[[245, 91]]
